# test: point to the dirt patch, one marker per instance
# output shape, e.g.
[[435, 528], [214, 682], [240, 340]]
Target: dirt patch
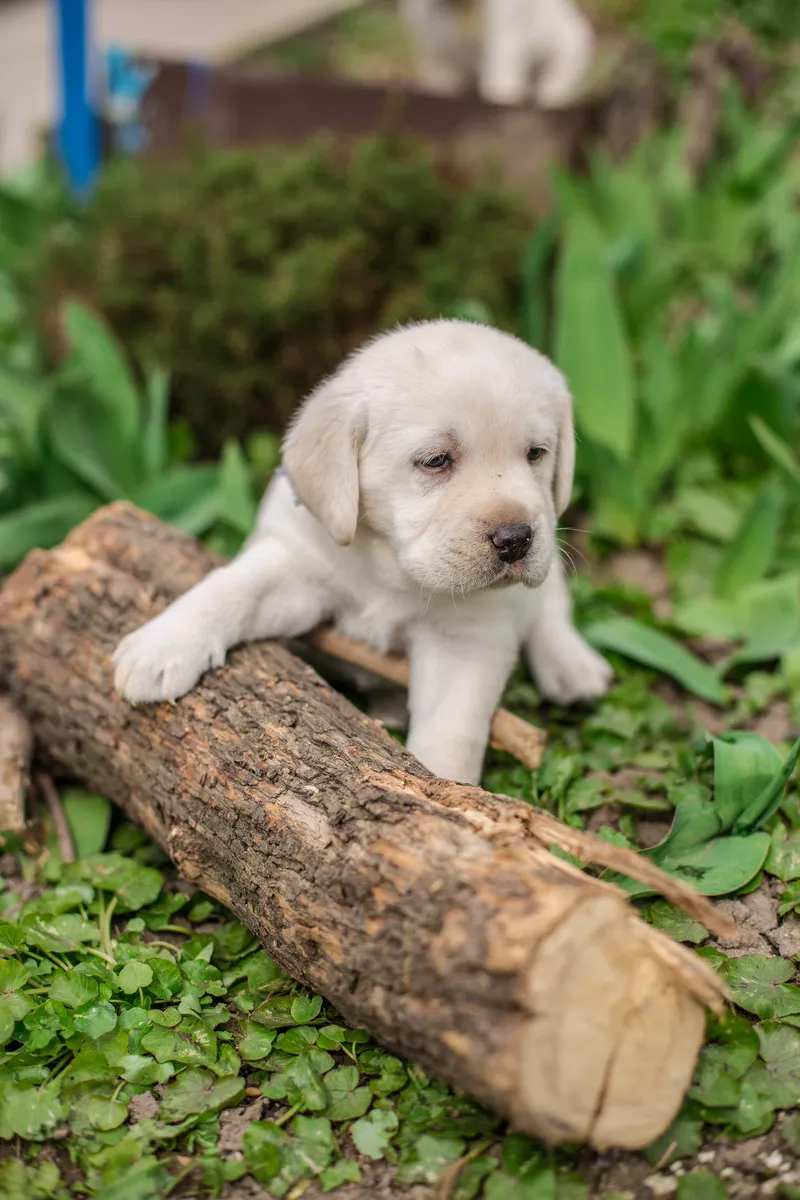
[[640, 569], [758, 1167], [758, 921]]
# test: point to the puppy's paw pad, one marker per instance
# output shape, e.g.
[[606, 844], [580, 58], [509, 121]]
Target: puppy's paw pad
[[571, 671], [160, 662]]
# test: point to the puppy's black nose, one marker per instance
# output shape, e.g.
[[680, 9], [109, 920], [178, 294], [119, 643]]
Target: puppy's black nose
[[512, 542]]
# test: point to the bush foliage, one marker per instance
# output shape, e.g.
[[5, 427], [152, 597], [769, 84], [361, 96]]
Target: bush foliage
[[249, 274]]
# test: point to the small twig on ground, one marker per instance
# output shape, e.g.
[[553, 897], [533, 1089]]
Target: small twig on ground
[[449, 1176], [519, 738], [59, 818]]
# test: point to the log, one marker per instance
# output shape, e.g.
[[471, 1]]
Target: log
[[16, 747], [429, 913]]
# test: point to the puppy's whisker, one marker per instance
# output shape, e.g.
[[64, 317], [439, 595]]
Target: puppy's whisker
[[567, 549]]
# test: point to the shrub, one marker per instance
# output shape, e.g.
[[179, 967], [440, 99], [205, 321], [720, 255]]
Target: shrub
[[250, 274]]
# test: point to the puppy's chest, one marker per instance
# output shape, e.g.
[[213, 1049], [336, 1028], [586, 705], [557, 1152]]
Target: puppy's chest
[[379, 620]]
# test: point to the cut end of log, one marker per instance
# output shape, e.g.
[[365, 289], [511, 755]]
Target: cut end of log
[[613, 1037]]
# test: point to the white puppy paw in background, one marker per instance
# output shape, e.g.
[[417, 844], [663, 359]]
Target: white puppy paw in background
[[528, 49]]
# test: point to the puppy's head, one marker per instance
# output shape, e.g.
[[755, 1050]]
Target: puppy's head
[[451, 441]]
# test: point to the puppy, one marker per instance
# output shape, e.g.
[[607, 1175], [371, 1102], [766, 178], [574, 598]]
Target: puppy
[[527, 48], [416, 510]]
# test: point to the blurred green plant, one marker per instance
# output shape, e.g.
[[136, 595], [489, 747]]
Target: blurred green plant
[[89, 433], [675, 318], [250, 274], [673, 28]]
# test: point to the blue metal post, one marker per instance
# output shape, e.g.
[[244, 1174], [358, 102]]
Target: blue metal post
[[78, 131]]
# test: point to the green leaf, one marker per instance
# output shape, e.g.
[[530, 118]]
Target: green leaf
[[143, 1070], [768, 801], [316, 1141], [78, 438], [13, 1004], [155, 434], [73, 988], [768, 618], [295, 1041], [96, 1019], [89, 817], [671, 920], [719, 866], [191, 1042], [262, 1143], [752, 551], [343, 1171], [346, 1099], [31, 1113], [701, 1185], [198, 1091], [135, 975], [638, 641], [302, 1083], [776, 1080], [591, 342], [257, 1041], [306, 1008], [106, 1114], [134, 885], [778, 450], [535, 258], [373, 1133], [760, 985], [744, 764], [105, 369], [783, 860], [237, 503], [429, 1157], [65, 932], [186, 496], [23, 399], [41, 525], [167, 979], [683, 1138], [722, 1064]]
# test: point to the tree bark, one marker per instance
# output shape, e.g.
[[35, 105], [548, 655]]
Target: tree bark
[[431, 914]]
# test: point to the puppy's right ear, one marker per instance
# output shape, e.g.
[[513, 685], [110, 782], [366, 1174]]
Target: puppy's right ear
[[320, 456]]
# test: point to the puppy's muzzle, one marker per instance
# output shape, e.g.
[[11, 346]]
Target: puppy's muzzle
[[512, 542]]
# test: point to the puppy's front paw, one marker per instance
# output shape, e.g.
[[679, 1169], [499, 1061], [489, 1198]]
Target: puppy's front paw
[[163, 660], [568, 670]]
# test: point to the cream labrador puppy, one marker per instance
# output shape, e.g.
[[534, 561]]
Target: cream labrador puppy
[[540, 49], [416, 510]]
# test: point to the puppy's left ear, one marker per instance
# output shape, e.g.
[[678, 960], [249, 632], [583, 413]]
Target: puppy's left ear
[[320, 456], [565, 458]]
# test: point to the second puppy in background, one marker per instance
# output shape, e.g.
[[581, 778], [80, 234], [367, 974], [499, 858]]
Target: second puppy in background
[[528, 49]]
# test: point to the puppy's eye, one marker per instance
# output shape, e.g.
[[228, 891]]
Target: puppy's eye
[[535, 453], [437, 462]]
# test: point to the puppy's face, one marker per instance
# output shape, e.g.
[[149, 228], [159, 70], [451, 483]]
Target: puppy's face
[[451, 441]]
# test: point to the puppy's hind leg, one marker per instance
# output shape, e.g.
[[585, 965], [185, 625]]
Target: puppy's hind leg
[[565, 667], [258, 595]]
